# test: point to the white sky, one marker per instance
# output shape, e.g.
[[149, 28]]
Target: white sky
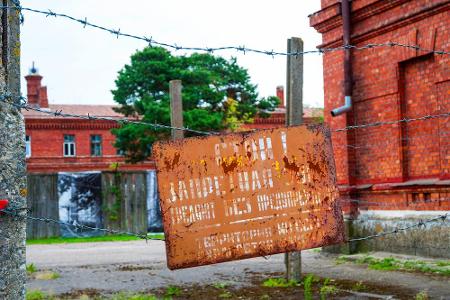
[[80, 65]]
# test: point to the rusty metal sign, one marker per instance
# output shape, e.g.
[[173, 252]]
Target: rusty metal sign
[[247, 194]]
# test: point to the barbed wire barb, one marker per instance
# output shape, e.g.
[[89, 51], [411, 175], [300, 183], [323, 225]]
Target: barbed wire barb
[[16, 213], [243, 49], [397, 229], [59, 113]]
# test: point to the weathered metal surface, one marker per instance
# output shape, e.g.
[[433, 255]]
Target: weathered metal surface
[[247, 194]]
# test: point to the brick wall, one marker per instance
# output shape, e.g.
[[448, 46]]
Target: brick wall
[[390, 83], [47, 138]]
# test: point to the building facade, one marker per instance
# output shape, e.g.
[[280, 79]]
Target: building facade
[[399, 169], [277, 118], [61, 144]]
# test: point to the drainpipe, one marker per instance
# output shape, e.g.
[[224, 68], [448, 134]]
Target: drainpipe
[[348, 84]]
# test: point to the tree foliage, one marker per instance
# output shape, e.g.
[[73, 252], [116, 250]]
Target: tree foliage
[[217, 95]]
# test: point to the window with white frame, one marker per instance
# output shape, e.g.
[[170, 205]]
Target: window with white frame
[[96, 145], [27, 146], [69, 145]]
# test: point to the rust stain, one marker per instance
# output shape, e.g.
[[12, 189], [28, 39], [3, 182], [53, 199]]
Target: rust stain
[[229, 164], [251, 194], [171, 163], [292, 166]]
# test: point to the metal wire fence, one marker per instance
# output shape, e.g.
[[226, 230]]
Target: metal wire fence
[[21, 103], [242, 49]]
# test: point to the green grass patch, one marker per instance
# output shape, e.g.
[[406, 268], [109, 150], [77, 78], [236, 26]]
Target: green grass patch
[[393, 264], [422, 296], [220, 285], [307, 286], [46, 275], [105, 238], [359, 287], [37, 295], [443, 263], [279, 283], [385, 264], [31, 268], [128, 296], [225, 295], [172, 291], [327, 290]]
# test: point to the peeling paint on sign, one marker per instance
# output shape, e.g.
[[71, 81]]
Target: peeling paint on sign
[[247, 194]]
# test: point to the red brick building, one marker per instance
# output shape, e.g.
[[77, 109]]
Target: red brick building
[[278, 116], [61, 144], [55, 144], [404, 166]]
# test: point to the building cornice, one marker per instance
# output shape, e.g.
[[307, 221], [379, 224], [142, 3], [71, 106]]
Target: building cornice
[[69, 124], [330, 17], [371, 10]]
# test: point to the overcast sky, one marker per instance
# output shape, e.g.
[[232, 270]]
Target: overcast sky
[[80, 65]]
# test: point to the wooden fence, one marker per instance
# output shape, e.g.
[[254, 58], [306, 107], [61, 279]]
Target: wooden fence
[[124, 202], [43, 200]]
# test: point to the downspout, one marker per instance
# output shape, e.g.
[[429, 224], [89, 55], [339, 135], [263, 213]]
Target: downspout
[[348, 80]]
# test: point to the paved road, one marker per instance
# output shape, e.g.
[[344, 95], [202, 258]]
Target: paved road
[[138, 266]]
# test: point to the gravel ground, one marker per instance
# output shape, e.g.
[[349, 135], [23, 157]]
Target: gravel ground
[[140, 266]]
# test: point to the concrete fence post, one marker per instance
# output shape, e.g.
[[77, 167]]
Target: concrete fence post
[[294, 116], [176, 108], [12, 161]]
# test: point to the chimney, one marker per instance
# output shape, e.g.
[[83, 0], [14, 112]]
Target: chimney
[[280, 94], [43, 99], [36, 94]]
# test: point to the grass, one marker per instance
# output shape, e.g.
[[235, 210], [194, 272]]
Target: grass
[[173, 291], [31, 268], [308, 283], [220, 285], [359, 287], [422, 296], [393, 264], [225, 295], [327, 290], [106, 238], [34, 273], [127, 296], [307, 286], [37, 295], [279, 283], [48, 275]]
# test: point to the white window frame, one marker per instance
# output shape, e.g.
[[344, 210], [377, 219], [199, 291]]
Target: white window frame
[[71, 146], [99, 143], [27, 146]]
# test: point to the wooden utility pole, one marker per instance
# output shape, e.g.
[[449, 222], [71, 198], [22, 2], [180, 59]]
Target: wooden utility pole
[[294, 116], [12, 160], [176, 108]]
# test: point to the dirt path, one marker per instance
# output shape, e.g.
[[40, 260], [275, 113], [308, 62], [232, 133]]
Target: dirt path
[[140, 266]]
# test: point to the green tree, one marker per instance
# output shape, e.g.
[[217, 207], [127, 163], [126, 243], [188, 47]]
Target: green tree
[[217, 95]]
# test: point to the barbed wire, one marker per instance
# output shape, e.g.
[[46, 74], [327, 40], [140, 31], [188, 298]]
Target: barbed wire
[[242, 49], [15, 212], [443, 218], [405, 120], [59, 113]]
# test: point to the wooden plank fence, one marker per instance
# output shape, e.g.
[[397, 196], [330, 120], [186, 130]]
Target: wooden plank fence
[[124, 202], [43, 200]]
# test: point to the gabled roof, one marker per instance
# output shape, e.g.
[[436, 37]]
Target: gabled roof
[[77, 109]]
